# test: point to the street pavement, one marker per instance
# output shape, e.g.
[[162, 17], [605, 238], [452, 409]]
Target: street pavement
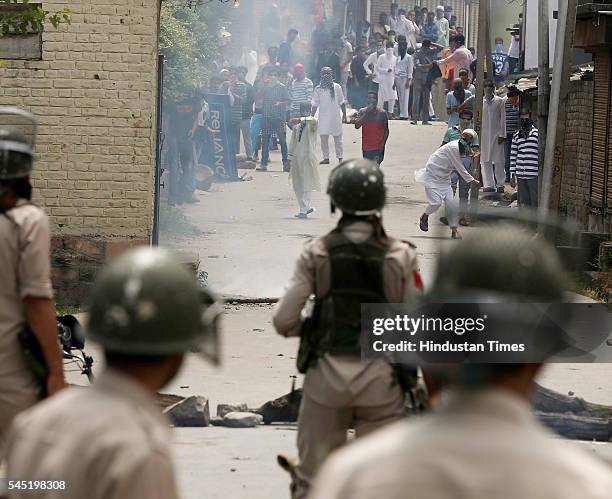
[[248, 244]]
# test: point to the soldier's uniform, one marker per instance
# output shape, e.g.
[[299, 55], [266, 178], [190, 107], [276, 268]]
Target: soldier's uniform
[[25, 264], [340, 390], [484, 441], [111, 441]]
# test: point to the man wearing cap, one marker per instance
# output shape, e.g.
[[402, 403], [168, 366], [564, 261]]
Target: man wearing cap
[[355, 263], [467, 205], [26, 294], [111, 441], [443, 27], [436, 178], [483, 440]]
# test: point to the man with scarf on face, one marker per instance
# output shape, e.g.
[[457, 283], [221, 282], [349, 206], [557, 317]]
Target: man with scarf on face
[[385, 67], [456, 101], [421, 84], [436, 178], [328, 99], [524, 162], [500, 61], [404, 68], [454, 133], [355, 263], [493, 137], [358, 84], [300, 92]]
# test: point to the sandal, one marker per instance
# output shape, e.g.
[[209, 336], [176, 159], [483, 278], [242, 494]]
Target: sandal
[[424, 223]]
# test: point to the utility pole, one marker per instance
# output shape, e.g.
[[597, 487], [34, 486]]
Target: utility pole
[[543, 77], [483, 51], [553, 157]]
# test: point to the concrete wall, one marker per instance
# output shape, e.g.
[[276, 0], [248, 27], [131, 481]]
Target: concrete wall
[[94, 94]]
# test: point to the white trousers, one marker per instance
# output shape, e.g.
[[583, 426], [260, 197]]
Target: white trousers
[[432, 112], [303, 199], [403, 94], [337, 144], [442, 194], [493, 172]]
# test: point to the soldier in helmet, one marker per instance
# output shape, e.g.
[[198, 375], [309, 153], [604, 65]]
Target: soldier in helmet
[[483, 441], [355, 263], [26, 294], [111, 441]]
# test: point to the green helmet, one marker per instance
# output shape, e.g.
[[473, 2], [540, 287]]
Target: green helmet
[[146, 303], [16, 150], [357, 187], [500, 261]]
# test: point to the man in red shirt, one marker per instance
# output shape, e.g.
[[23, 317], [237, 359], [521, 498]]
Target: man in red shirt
[[374, 125]]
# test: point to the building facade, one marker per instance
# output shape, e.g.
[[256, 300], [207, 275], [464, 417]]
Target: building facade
[[93, 90]]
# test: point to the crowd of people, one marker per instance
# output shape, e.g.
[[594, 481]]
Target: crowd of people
[[383, 72]]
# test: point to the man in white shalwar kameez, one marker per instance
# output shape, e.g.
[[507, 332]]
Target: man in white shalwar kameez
[[436, 178], [385, 68], [328, 99], [493, 136], [304, 175], [404, 67]]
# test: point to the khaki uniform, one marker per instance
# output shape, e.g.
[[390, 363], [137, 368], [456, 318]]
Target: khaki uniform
[[342, 392], [25, 266], [109, 441], [483, 445]]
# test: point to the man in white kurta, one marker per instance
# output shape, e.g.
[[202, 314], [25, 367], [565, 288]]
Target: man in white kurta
[[436, 177], [492, 151], [304, 175], [404, 67], [385, 68], [328, 99]]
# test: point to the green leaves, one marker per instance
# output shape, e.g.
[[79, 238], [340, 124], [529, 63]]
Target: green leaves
[[188, 41], [29, 20]]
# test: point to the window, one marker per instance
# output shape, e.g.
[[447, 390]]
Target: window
[[14, 45]]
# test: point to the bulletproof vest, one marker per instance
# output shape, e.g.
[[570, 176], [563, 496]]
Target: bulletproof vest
[[356, 277]]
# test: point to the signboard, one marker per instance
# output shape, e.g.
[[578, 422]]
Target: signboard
[[224, 157]]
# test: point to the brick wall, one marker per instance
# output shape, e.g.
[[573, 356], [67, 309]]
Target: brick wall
[[94, 94], [575, 186]]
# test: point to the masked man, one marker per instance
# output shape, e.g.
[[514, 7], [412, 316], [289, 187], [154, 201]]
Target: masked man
[[328, 99], [493, 137], [436, 177], [524, 162], [385, 68]]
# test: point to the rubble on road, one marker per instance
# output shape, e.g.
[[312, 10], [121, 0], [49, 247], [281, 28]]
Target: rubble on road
[[283, 409], [238, 420], [190, 412], [223, 409]]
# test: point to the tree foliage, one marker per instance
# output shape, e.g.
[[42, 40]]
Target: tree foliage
[[188, 41], [29, 20]]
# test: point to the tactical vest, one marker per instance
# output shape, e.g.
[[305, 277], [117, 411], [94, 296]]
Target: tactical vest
[[356, 277]]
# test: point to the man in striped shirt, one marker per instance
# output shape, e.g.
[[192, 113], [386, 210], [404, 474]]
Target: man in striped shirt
[[511, 106], [524, 161], [300, 92]]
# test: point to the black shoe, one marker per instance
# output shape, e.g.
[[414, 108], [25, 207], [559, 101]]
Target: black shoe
[[413, 122], [324, 162], [424, 223], [310, 210], [488, 189], [501, 190]]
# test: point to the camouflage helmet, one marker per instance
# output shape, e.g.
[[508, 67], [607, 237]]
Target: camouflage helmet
[[146, 303], [500, 261], [16, 150], [357, 187]]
